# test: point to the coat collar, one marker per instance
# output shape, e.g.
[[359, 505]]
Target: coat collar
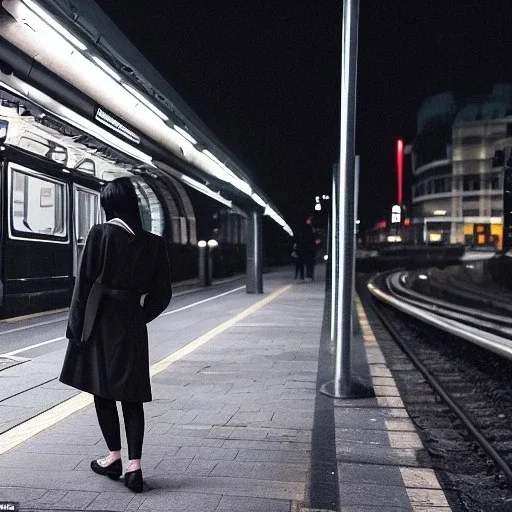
[[122, 224]]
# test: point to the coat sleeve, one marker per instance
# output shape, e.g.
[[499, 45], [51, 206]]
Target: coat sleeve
[[88, 271], [160, 292]]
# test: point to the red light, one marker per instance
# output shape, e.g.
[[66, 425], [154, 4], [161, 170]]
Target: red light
[[399, 167], [407, 221]]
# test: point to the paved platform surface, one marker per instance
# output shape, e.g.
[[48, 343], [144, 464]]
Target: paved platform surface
[[237, 423]]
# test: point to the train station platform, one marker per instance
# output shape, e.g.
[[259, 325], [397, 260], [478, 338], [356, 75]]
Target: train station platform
[[236, 423]]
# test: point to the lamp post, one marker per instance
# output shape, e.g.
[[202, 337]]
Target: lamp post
[[344, 185]]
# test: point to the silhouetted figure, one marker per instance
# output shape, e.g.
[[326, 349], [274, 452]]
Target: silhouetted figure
[[309, 249], [298, 255]]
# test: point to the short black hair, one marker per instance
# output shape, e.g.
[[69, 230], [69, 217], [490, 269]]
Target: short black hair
[[119, 199]]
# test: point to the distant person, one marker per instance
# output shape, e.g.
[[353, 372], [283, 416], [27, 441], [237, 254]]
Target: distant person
[[107, 353], [298, 256], [309, 248]]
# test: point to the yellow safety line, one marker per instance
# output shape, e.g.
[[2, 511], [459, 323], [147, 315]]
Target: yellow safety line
[[368, 336], [33, 426]]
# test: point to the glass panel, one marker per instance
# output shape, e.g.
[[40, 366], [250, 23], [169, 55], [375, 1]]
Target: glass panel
[[37, 205], [43, 147], [150, 208], [86, 166], [86, 213]]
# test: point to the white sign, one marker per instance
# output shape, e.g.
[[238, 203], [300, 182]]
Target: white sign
[[111, 122], [396, 214]]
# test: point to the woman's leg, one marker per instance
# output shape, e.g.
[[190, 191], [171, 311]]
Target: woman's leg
[[133, 413], [108, 419]]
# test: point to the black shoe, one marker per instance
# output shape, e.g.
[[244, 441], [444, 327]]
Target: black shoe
[[113, 471], [133, 480]]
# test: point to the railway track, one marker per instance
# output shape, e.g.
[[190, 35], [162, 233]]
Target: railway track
[[459, 394]]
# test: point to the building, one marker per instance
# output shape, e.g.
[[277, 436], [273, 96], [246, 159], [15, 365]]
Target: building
[[457, 194]]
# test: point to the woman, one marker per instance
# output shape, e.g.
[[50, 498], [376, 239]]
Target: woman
[[122, 267]]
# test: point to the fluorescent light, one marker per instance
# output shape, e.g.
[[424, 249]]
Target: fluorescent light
[[185, 134], [54, 24], [257, 199], [30, 93], [229, 175], [106, 68], [182, 140], [274, 216], [241, 185], [145, 101], [212, 157], [205, 190]]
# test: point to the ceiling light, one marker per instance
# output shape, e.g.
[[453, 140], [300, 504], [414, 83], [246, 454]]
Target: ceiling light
[[13, 84], [145, 101], [185, 134], [106, 68], [44, 16], [205, 190], [212, 157], [257, 199]]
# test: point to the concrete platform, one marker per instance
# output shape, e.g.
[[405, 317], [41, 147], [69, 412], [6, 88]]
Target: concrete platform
[[237, 422]]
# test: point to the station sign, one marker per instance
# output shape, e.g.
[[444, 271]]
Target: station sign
[[109, 120]]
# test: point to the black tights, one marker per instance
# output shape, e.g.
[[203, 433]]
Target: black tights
[[133, 414]]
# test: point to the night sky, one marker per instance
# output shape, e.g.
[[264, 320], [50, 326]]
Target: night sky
[[265, 78]]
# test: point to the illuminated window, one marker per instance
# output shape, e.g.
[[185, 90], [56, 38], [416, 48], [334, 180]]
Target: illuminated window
[[86, 213], [86, 166], [37, 205], [151, 211], [44, 147]]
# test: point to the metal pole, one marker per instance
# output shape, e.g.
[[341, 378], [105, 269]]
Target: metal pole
[[342, 386], [346, 193], [334, 253], [356, 205], [254, 272], [203, 268]]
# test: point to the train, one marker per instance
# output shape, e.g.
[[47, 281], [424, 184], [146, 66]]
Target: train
[[51, 176]]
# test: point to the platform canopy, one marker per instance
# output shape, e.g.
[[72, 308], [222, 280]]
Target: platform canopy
[[70, 59]]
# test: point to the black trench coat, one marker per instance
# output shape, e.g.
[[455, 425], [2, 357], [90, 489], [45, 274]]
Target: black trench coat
[[118, 267]]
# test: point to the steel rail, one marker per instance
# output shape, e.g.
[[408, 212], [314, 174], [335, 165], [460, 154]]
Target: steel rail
[[492, 323], [434, 383], [393, 282], [497, 344]]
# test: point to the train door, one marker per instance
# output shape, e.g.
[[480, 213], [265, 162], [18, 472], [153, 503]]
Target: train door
[[86, 214], [36, 243]]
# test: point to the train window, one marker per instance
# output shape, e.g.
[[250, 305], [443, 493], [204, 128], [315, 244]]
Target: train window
[[151, 211], [86, 166], [37, 205], [86, 213], [44, 147], [34, 144]]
